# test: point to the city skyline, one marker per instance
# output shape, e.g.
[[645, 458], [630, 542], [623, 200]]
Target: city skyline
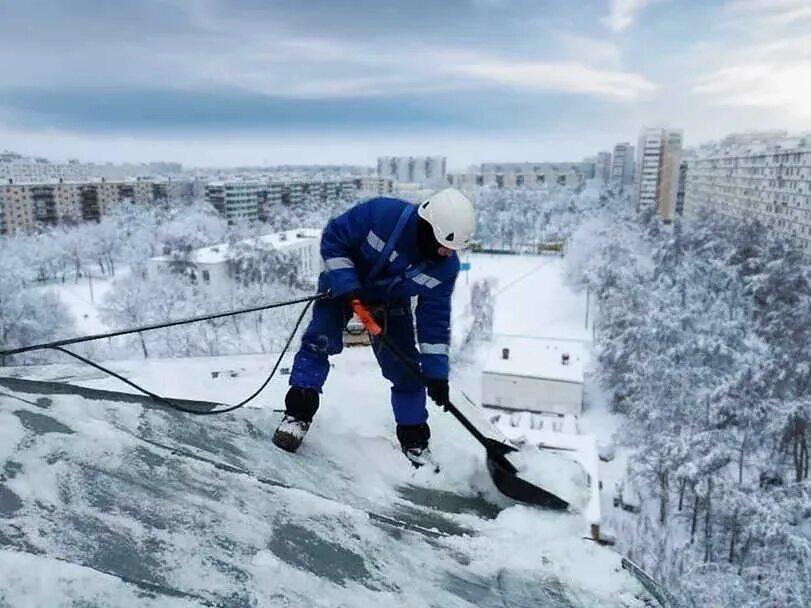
[[249, 83]]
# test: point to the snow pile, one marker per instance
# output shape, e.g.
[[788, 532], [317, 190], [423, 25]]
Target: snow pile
[[555, 473]]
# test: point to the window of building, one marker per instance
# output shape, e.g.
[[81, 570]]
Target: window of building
[[206, 276]]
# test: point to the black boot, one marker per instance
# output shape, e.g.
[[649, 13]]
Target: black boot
[[300, 407], [414, 443]]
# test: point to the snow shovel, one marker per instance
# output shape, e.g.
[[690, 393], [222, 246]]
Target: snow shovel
[[504, 473]]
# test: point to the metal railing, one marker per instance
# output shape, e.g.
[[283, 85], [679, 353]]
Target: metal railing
[[651, 585]]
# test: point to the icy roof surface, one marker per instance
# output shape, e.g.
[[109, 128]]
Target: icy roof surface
[[108, 502], [537, 358]]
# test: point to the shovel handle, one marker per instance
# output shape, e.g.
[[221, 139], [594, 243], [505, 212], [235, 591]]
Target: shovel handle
[[495, 449], [366, 318]]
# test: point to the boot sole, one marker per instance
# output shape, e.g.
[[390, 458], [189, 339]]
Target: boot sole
[[286, 441]]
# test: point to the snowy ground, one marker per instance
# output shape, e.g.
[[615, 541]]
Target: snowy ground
[[122, 504], [83, 298]]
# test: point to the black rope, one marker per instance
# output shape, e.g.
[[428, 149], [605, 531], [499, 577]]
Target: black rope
[[175, 406], [123, 332]]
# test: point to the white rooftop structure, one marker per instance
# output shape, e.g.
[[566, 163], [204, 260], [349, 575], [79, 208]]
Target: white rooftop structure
[[535, 375], [537, 357], [280, 241], [211, 263]]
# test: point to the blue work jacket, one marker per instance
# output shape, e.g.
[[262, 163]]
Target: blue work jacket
[[373, 247]]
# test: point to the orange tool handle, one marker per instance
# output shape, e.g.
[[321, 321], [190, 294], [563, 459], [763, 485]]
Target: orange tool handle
[[366, 318]]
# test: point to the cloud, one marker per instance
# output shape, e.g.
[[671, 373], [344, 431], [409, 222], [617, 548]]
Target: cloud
[[562, 76], [623, 13], [122, 110], [279, 49], [775, 75], [760, 60], [771, 11], [183, 67], [594, 51]]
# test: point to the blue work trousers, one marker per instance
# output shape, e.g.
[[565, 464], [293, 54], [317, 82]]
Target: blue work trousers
[[324, 337]]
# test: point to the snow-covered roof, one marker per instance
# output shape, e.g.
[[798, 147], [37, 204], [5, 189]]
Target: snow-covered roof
[[222, 252], [754, 146], [534, 357], [347, 524]]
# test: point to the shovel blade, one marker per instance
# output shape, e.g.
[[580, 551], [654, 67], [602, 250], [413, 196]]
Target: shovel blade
[[510, 484]]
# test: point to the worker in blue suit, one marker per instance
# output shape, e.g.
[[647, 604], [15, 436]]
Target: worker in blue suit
[[383, 252]]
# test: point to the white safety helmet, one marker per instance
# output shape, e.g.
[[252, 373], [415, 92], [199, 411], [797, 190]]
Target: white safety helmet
[[452, 217]]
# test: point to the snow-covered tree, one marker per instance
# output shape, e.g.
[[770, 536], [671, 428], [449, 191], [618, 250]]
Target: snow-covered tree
[[702, 340], [26, 316]]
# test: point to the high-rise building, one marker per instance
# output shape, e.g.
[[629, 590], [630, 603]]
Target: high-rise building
[[588, 167], [657, 170], [602, 166], [413, 169], [622, 164], [681, 191], [748, 177]]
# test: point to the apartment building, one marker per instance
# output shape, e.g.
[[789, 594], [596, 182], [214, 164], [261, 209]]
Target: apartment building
[[602, 166], [254, 200], [657, 172], [517, 175], [25, 206], [237, 201], [374, 186], [681, 191], [413, 169], [622, 164], [18, 208], [23, 169], [767, 179]]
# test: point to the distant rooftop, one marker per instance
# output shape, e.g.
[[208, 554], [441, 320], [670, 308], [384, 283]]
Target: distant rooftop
[[55, 181], [533, 357], [755, 143], [222, 252]]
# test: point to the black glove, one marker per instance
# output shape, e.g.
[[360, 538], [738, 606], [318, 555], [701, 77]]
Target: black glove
[[347, 296], [438, 391], [345, 299]]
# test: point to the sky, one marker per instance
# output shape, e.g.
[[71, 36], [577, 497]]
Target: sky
[[237, 82]]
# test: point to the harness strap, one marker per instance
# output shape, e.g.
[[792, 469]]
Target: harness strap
[[391, 242], [409, 274]]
